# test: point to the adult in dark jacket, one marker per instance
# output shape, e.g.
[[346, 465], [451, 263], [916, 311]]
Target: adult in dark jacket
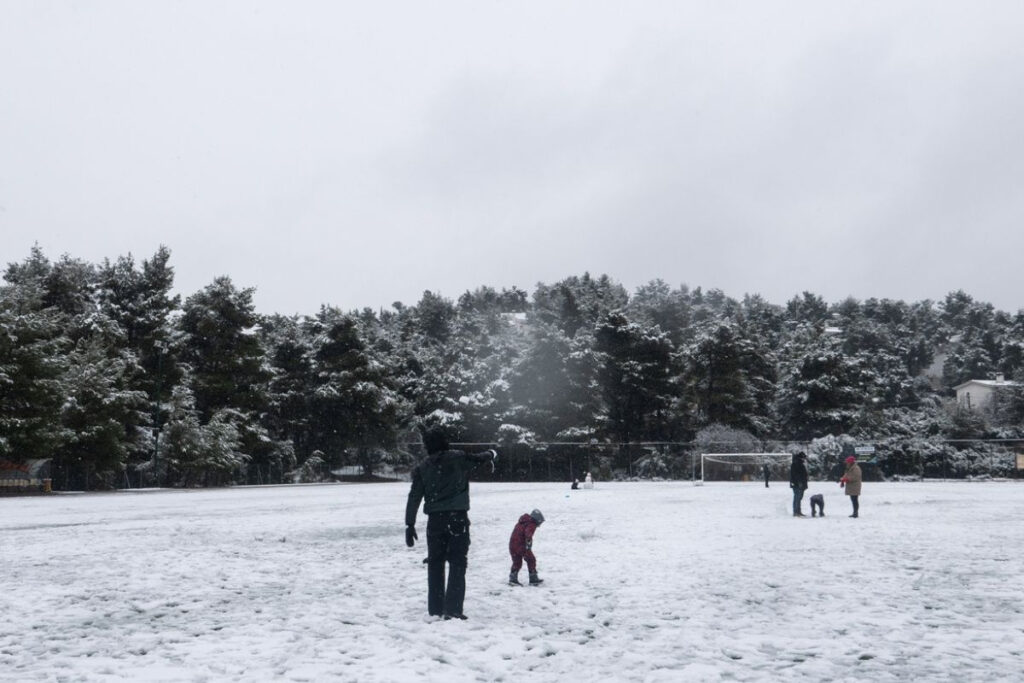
[[798, 481], [520, 547], [441, 481]]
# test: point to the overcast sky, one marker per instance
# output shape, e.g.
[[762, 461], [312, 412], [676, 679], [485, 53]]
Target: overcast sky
[[359, 153]]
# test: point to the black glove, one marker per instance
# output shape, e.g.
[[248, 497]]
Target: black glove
[[410, 536]]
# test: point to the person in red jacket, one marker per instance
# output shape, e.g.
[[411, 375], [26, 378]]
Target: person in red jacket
[[520, 547]]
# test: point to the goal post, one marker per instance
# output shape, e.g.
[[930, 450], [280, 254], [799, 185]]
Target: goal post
[[741, 466]]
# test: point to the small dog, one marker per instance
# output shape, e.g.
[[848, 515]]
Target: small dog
[[817, 505]]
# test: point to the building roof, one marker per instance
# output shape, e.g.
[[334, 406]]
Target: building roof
[[993, 383]]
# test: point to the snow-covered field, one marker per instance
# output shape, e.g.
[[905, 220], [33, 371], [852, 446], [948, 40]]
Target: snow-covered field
[[643, 582]]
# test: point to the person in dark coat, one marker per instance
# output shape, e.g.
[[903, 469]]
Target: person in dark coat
[[798, 481], [520, 547], [441, 480], [767, 474]]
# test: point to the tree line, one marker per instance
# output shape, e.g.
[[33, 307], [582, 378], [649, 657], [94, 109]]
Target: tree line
[[121, 382]]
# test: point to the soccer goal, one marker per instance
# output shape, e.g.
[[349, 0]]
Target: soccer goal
[[743, 466]]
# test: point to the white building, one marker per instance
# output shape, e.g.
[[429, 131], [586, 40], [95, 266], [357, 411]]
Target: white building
[[975, 394]]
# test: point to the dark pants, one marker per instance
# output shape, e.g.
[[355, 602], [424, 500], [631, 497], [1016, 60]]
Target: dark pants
[[817, 505], [447, 542], [856, 505], [798, 496]]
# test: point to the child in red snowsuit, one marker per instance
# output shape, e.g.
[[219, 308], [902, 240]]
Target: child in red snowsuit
[[520, 547]]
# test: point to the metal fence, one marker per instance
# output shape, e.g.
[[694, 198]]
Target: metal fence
[[559, 461]]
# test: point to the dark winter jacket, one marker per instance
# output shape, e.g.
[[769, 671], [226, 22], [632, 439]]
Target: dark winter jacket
[[442, 480], [798, 473], [521, 539]]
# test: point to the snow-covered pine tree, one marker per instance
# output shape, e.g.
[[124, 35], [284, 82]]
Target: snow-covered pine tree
[[32, 366], [355, 409], [635, 375], [223, 350], [730, 380], [821, 388]]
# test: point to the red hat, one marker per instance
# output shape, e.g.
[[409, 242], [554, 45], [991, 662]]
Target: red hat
[[851, 459]]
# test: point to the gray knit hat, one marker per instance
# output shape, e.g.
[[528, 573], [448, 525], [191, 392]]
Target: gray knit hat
[[538, 516]]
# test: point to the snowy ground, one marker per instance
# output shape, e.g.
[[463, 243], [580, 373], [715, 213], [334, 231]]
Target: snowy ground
[[644, 582]]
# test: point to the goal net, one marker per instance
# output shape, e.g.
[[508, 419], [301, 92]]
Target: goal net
[[744, 466]]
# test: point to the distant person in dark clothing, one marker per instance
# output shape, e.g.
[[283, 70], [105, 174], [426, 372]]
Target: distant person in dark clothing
[[520, 547], [441, 480], [851, 482], [767, 474], [798, 481]]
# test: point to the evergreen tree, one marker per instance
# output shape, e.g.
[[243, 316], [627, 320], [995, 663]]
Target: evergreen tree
[[1012, 361], [355, 410], [761, 323], [730, 380], [193, 454], [33, 360], [635, 371], [968, 359], [103, 416], [551, 386], [69, 287], [140, 301], [429, 371], [875, 335], [578, 302], [434, 316], [32, 364], [223, 351], [292, 381], [822, 390], [656, 305], [808, 308], [1007, 409]]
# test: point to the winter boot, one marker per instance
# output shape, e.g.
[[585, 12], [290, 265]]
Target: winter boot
[[513, 579], [535, 580]]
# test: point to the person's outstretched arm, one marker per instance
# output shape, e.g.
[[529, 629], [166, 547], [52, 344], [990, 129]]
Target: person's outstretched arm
[[412, 506], [482, 457]]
